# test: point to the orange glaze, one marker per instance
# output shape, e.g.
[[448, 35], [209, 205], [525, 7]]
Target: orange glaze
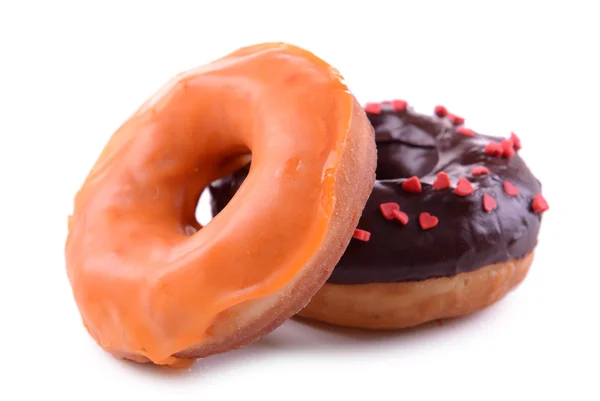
[[146, 283]]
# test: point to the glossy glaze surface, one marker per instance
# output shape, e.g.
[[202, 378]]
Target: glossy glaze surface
[[148, 280]]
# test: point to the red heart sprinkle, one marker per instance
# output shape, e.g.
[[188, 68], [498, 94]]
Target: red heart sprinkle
[[401, 216], [510, 189], [361, 235], [440, 111], [399, 105], [465, 131], [442, 181], [427, 221], [489, 203], [373, 108], [515, 141], [463, 187], [456, 120], [507, 148], [412, 184], [480, 170], [539, 204], [388, 209], [493, 149]]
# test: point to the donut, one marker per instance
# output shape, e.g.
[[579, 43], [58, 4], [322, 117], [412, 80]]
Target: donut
[[150, 283], [449, 228]]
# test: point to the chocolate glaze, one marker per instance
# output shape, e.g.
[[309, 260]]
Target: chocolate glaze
[[466, 238]]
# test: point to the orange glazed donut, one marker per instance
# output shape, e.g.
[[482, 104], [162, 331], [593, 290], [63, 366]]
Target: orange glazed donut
[[150, 283]]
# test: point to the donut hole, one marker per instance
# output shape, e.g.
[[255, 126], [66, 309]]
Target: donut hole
[[208, 205], [203, 213]]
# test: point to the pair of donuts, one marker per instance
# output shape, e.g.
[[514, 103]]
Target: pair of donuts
[[153, 285]]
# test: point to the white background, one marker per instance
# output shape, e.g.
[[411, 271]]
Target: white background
[[71, 73]]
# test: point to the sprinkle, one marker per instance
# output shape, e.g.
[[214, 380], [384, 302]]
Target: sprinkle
[[401, 216], [480, 170], [510, 189], [361, 235], [465, 131], [427, 221], [373, 108], [440, 111], [442, 181], [388, 209], [456, 120], [493, 149], [539, 204], [412, 184], [399, 105], [507, 148], [463, 187], [515, 141], [489, 203]]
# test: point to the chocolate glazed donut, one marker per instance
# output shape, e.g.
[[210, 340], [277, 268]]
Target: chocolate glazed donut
[[449, 228]]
